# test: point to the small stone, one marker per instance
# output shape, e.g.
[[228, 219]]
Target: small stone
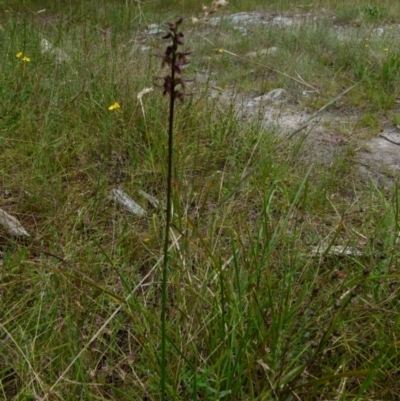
[[241, 29], [154, 29], [12, 225], [263, 52], [378, 31], [276, 96], [119, 196], [282, 21]]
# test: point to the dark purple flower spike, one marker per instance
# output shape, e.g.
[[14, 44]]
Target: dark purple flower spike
[[175, 60]]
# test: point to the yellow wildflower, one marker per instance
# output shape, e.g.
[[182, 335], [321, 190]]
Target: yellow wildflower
[[386, 49], [26, 59], [19, 55], [114, 106], [220, 50]]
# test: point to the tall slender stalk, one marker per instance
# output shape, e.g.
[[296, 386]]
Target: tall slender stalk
[[175, 60]]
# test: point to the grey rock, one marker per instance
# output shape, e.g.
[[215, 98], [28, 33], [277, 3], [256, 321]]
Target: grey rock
[[263, 52], [276, 96], [282, 21], [119, 196], [154, 29]]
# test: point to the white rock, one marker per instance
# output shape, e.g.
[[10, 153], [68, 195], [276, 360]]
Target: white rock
[[282, 21], [263, 52], [379, 31], [276, 96], [12, 225], [154, 29], [59, 55], [242, 18], [119, 196], [241, 29], [151, 199], [338, 250]]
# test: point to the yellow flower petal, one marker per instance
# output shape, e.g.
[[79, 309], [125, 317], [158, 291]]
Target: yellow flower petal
[[220, 50], [114, 106], [19, 55], [26, 59]]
